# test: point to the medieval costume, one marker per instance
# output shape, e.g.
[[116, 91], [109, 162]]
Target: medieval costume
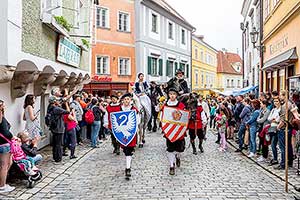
[[178, 83], [112, 107], [174, 149], [197, 123]]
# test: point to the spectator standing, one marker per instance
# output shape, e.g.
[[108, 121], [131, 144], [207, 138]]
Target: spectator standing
[[75, 104], [97, 122], [252, 124], [5, 155]]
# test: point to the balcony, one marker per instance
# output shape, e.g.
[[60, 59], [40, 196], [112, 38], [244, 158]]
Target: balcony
[[49, 20]]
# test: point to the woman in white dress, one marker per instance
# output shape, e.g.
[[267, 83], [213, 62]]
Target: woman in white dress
[[32, 125]]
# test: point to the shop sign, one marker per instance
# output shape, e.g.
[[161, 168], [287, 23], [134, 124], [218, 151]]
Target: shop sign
[[102, 79], [279, 45], [68, 52]]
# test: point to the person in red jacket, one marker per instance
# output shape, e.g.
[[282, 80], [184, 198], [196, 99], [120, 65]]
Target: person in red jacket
[[114, 106], [129, 149], [197, 123], [174, 149]]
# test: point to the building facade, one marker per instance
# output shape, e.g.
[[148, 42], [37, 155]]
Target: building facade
[[113, 51], [229, 72], [204, 67], [163, 41], [43, 44], [251, 55], [281, 41]]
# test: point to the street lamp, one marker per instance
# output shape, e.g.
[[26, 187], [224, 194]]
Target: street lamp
[[254, 36]]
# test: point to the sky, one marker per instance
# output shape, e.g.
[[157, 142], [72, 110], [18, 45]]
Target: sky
[[218, 20]]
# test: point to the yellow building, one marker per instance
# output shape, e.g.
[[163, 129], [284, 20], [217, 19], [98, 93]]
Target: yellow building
[[282, 44], [204, 67]]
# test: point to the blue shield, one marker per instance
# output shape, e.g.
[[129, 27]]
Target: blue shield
[[124, 126]]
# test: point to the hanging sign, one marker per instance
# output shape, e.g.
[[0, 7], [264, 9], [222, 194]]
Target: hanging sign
[[68, 52]]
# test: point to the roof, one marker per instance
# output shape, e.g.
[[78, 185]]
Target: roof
[[171, 10], [225, 62], [200, 39]]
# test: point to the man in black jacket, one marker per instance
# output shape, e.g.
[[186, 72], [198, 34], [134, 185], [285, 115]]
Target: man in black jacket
[[178, 83], [57, 126]]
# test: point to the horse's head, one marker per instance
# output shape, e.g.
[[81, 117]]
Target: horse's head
[[189, 100]]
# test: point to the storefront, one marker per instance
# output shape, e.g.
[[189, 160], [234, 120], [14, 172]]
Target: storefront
[[104, 86], [281, 68]]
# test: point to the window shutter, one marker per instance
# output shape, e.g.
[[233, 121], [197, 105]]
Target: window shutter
[[149, 66], [160, 67], [168, 70], [187, 71]]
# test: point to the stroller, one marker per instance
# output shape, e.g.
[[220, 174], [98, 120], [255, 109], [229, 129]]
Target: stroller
[[17, 171]]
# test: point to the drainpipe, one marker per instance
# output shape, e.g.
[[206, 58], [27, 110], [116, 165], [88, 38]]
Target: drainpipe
[[261, 48]]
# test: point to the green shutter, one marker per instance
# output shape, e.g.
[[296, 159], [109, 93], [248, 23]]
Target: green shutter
[[167, 70], [176, 68], [160, 67], [181, 66], [149, 66], [187, 71]]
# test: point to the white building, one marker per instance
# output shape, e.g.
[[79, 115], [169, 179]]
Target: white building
[[251, 14], [43, 44], [163, 41]]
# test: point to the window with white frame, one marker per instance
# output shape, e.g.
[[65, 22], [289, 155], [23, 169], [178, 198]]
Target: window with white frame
[[124, 22], [170, 31], [232, 83], [102, 65], [196, 53], [228, 82], [238, 84], [196, 77], [102, 17], [170, 67], [49, 5], [154, 23], [202, 55], [77, 13], [183, 35], [202, 79], [124, 66]]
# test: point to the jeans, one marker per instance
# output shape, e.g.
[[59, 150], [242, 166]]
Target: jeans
[[252, 132], [37, 159], [274, 143], [281, 139], [241, 135], [95, 132]]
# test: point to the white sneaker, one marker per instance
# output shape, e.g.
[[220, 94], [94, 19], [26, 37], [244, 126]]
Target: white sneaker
[[261, 159], [251, 155], [6, 188]]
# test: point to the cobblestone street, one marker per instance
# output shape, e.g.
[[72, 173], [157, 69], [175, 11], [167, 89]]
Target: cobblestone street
[[212, 175]]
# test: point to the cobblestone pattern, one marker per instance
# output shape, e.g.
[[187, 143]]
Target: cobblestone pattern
[[212, 175]]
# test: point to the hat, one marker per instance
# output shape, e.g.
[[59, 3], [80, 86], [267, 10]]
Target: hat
[[53, 99], [179, 71], [55, 90], [114, 96], [126, 95], [173, 90]]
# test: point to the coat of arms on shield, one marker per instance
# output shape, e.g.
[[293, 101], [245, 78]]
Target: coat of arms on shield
[[124, 126], [174, 122]]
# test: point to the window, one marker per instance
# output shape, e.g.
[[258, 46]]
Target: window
[[183, 37], [124, 22], [170, 31], [202, 79], [102, 17], [124, 66], [196, 53], [201, 56], [102, 65], [170, 68], [239, 84], [228, 83], [275, 2], [154, 23], [77, 13], [155, 66], [196, 77], [232, 83], [48, 5]]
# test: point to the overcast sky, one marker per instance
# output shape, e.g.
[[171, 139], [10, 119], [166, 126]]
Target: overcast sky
[[218, 20]]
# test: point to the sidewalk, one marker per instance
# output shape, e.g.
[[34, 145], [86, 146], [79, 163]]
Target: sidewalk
[[293, 178], [51, 172]]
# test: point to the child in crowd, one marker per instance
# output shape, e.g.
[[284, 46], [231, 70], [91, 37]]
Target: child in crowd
[[174, 149], [30, 147], [221, 124], [129, 149]]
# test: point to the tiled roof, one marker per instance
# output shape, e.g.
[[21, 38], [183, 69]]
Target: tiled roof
[[225, 62]]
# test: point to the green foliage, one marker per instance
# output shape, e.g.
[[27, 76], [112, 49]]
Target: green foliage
[[63, 22], [85, 42]]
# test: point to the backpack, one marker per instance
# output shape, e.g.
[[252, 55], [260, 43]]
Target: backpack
[[89, 116], [50, 118]]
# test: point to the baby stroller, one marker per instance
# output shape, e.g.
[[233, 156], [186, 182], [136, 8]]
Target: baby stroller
[[18, 171]]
